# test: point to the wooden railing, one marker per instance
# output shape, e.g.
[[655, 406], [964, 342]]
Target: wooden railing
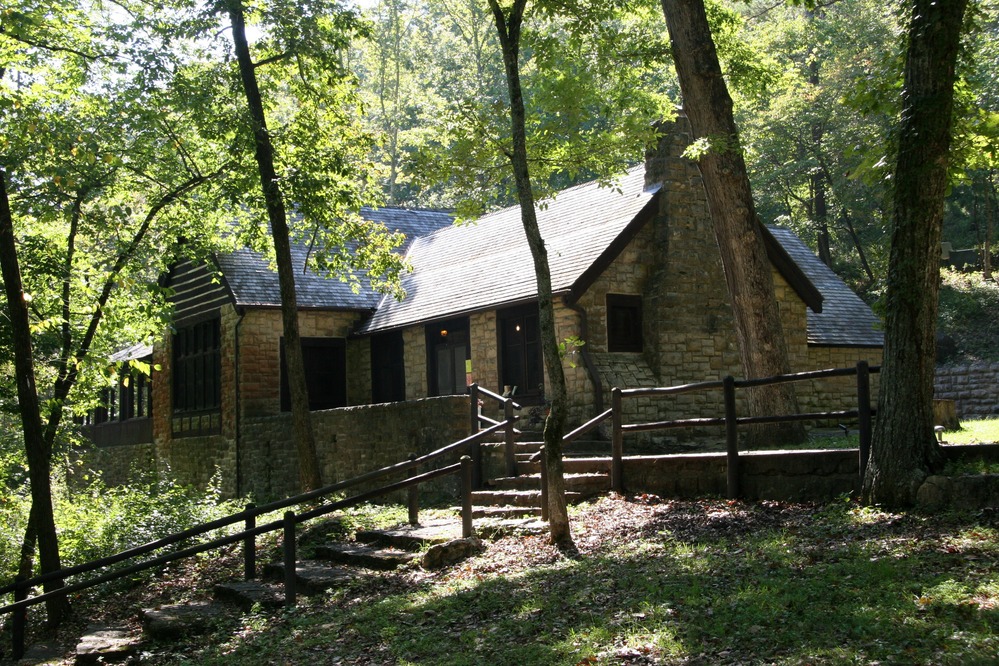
[[464, 469], [864, 414], [731, 421], [510, 433]]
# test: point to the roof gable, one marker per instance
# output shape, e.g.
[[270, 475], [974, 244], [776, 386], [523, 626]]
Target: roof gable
[[486, 264], [845, 320]]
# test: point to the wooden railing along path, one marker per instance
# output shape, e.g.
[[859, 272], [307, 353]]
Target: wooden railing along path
[[468, 469], [731, 421]]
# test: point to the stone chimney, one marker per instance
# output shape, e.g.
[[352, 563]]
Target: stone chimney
[[666, 158]]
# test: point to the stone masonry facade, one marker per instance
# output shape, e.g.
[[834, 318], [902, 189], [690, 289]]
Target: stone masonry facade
[[973, 387]]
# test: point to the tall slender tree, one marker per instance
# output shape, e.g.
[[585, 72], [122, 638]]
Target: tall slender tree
[[277, 216], [509, 24]]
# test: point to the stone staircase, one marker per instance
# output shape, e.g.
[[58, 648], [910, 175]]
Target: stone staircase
[[505, 504], [512, 497], [332, 564]]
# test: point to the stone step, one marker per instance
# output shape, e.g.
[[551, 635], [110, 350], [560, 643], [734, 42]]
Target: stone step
[[312, 576], [515, 498], [494, 527], [179, 620], [412, 537], [506, 497], [369, 557], [504, 513], [245, 594], [586, 484], [571, 465], [108, 645]]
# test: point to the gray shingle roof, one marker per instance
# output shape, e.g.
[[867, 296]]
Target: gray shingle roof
[[462, 269], [254, 283], [487, 264], [845, 319]]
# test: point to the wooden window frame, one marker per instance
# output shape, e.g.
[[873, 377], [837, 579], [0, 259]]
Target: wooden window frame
[[197, 368]]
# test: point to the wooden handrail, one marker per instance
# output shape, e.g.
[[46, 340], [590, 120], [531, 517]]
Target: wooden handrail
[[251, 531], [497, 397]]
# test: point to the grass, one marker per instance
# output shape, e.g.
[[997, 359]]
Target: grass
[[979, 431], [708, 582]]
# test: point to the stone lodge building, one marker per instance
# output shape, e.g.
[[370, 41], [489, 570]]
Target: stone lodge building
[[636, 274]]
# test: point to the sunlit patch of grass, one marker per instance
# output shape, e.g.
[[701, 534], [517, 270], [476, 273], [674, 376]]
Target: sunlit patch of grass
[[977, 431]]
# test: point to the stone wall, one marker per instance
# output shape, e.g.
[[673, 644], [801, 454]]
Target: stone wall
[[195, 462], [794, 476], [974, 388], [351, 441], [114, 465], [800, 476]]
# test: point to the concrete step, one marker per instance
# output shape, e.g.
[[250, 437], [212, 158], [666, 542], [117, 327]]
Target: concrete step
[[359, 555], [108, 645], [313, 577], [179, 620], [412, 537], [245, 594]]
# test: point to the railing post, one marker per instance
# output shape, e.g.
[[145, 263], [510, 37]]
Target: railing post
[[473, 401], [20, 618], [466, 497], [511, 444], [414, 496], [731, 437], [475, 450], [290, 577], [617, 442], [864, 416], [250, 545], [544, 483]]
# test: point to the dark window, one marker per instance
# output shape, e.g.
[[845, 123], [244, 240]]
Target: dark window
[[520, 352], [624, 323], [197, 368], [134, 395], [388, 368], [325, 373], [447, 345]]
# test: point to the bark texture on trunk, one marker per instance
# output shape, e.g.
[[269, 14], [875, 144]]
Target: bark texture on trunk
[[748, 273], [904, 450], [41, 527], [308, 461], [508, 27]]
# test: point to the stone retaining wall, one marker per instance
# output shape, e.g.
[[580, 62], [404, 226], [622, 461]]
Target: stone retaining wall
[[350, 441], [792, 476], [974, 388]]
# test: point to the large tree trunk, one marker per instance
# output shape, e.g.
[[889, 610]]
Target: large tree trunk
[[509, 34], [308, 460], [904, 450], [41, 521], [748, 273]]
